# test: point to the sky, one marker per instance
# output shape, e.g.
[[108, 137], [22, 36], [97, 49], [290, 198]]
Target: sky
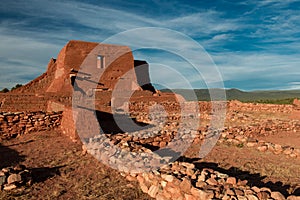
[[255, 44]]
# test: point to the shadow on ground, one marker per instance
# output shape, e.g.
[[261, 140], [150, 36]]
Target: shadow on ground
[[43, 173], [119, 123], [253, 179], [9, 157]]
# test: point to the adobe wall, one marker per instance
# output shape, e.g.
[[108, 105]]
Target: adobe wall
[[30, 102], [117, 60], [55, 84], [13, 124], [68, 126], [14, 102], [41, 83], [296, 103]]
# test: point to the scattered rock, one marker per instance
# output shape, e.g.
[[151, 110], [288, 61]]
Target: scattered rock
[[252, 197], [231, 180], [8, 187], [186, 185], [143, 187], [14, 178], [262, 148], [293, 197], [11, 179], [277, 196], [263, 195], [153, 190], [212, 181], [230, 192], [206, 194]]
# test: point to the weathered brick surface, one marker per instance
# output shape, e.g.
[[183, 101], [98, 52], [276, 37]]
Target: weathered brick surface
[[30, 102], [68, 124]]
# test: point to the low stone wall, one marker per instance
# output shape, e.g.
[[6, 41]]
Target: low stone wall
[[257, 107], [182, 180], [13, 124]]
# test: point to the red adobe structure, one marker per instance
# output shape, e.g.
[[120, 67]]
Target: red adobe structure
[[113, 60], [74, 71]]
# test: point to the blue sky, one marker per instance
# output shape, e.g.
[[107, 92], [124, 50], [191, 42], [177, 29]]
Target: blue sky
[[254, 43]]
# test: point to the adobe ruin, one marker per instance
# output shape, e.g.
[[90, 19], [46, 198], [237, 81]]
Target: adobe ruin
[[113, 60], [74, 70], [53, 90]]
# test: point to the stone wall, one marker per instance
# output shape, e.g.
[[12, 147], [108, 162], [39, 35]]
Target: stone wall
[[182, 180], [254, 107], [13, 124]]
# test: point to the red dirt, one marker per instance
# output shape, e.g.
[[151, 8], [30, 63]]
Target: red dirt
[[60, 171]]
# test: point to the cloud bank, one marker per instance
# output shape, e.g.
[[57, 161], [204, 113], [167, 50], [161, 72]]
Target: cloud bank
[[255, 44]]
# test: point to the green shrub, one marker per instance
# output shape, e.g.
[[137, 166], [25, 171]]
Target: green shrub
[[16, 86], [4, 90]]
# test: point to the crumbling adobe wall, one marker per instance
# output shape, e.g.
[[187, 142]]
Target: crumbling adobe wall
[[118, 70], [68, 125], [296, 103], [71, 56], [30, 102], [14, 102], [41, 83], [118, 61]]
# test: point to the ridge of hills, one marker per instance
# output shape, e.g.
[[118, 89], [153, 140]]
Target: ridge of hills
[[259, 96]]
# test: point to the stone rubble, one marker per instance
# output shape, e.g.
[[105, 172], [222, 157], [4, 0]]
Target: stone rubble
[[134, 152], [14, 177], [262, 146], [175, 181], [182, 180]]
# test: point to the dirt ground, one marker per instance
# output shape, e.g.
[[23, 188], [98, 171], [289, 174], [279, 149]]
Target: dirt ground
[[60, 171], [262, 169]]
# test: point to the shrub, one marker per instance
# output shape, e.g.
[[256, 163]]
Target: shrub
[[4, 90], [16, 86]]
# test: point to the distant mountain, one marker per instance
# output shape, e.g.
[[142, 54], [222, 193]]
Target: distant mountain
[[268, 96]]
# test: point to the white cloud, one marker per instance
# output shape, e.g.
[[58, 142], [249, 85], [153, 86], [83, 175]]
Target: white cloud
[[239, 66], [23, 57], [32, 47], [221, 37]]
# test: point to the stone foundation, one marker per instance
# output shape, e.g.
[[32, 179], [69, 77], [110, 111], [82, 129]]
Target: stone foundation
[[13, 124]]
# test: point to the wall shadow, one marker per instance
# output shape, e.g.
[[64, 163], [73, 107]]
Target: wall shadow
[[109, 125], [43, 173], [254, 179], [141, 69], [9, 157]]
